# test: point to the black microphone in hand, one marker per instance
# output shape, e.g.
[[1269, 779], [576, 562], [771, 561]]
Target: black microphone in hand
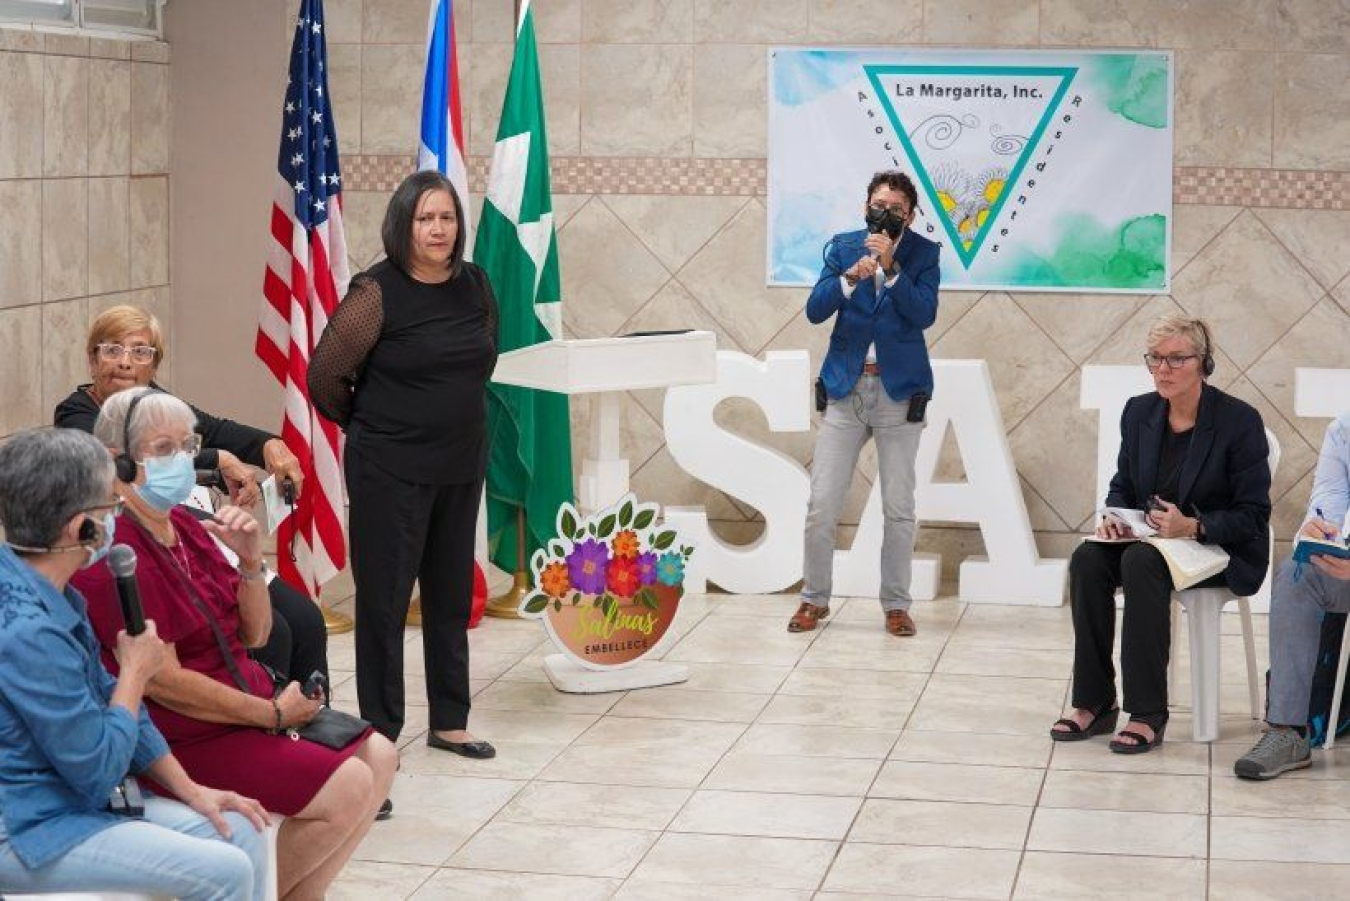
[[122, 562]]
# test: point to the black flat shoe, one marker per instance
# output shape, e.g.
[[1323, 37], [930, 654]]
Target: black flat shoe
[[1137, 743], [478, 750], [385, 812], [1103, 721]]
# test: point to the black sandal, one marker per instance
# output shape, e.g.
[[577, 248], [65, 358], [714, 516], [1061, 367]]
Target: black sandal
[[1137, 743], [1103, 721]]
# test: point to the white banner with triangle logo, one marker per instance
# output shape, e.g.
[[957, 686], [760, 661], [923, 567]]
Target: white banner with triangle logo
[[1036, 170]]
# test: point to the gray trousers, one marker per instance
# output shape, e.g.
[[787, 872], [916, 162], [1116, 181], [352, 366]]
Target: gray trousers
[[867, 411], [1296, 608]]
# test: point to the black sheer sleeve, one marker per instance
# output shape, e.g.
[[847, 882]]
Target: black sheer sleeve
[[343, 348]]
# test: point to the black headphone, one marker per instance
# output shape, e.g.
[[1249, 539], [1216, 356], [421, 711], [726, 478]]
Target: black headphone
[[87, 531], [1206, 361], [123, 465]]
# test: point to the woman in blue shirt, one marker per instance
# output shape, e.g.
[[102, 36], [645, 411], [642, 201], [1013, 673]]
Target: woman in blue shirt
[[69, 732]]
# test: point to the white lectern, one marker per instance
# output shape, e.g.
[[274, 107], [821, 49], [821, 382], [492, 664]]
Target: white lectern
[[605, 367]]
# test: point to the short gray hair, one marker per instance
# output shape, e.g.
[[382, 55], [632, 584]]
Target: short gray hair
[[157, 408], [46, 477]]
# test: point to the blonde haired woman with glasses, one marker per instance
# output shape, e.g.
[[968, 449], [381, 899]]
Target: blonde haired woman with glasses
[[125, 349], [1195, 460]]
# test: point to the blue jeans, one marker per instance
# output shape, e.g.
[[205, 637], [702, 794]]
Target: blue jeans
[[174, 851]]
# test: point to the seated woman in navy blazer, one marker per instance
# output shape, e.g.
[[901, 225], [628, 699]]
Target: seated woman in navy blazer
[[1195, 458]]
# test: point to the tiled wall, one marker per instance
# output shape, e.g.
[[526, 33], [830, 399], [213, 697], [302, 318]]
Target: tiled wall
[[656, 116], [84, 205]]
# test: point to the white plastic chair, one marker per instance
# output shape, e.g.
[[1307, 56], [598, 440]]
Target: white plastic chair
[[1203, 609]]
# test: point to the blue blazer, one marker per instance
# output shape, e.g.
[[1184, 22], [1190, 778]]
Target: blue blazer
[[894, 321], [1225, 476]]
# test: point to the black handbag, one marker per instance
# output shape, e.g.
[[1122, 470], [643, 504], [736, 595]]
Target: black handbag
[[332, 728]]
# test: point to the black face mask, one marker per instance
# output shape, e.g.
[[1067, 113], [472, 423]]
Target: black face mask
[[884, 220]]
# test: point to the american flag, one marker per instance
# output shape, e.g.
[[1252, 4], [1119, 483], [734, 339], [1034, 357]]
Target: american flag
[[306, 275]]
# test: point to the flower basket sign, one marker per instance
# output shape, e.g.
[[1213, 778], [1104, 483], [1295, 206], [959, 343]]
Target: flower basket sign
[[609, 585]]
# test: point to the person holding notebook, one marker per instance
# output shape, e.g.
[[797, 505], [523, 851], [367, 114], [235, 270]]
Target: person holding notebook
[[1298, 599], [1196, 460]]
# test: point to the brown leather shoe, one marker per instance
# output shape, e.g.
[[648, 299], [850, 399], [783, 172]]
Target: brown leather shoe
[[899, 622], [807, 617]]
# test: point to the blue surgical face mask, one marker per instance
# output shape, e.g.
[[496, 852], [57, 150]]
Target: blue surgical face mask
[[168, 481], [98, 553]]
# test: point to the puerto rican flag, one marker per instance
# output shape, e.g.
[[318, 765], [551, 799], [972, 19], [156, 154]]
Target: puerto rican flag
[[306, 276], [442, 144], [442, 148]]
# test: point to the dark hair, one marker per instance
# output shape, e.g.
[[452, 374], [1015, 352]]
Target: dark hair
[[896, 181], [396, 232]]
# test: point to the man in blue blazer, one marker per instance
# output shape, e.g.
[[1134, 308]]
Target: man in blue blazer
[[880, 284]]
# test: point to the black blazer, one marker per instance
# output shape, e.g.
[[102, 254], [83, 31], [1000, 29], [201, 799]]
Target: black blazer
[[1225, 477]]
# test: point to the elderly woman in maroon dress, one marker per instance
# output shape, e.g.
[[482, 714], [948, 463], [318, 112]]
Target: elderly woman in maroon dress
[[217, 709]]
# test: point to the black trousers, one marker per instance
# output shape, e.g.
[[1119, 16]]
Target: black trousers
[[1095, 572], [297, 646], [400, 532]]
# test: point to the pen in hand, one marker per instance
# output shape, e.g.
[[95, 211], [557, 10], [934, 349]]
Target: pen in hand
[[1323, 517]]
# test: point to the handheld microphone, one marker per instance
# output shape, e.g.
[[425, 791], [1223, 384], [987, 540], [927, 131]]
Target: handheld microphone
[[876, 226], [122, 562]]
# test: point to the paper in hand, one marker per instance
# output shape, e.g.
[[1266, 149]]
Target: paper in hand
[[1135, 519], [276, 508]]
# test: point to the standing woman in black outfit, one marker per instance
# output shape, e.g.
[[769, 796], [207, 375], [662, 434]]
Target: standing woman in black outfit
[[403, 368]]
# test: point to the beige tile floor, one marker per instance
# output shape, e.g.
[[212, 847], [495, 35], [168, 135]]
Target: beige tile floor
[[841, 764]]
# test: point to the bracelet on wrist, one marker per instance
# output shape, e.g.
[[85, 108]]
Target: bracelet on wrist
[[252, 574], [276, 708]]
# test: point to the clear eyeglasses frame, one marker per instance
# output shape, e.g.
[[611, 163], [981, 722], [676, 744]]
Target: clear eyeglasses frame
[[141, 354]]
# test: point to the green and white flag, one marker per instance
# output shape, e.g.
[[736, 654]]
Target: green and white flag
[[530, 465]]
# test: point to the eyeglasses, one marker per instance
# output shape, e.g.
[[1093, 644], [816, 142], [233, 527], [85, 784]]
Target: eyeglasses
[[896, 208], [167, 447], [141, 354], [1173, 361], [115, 506]]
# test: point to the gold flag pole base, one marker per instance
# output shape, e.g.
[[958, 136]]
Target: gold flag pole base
[[337, 623], [414, 613], [507, 606]]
